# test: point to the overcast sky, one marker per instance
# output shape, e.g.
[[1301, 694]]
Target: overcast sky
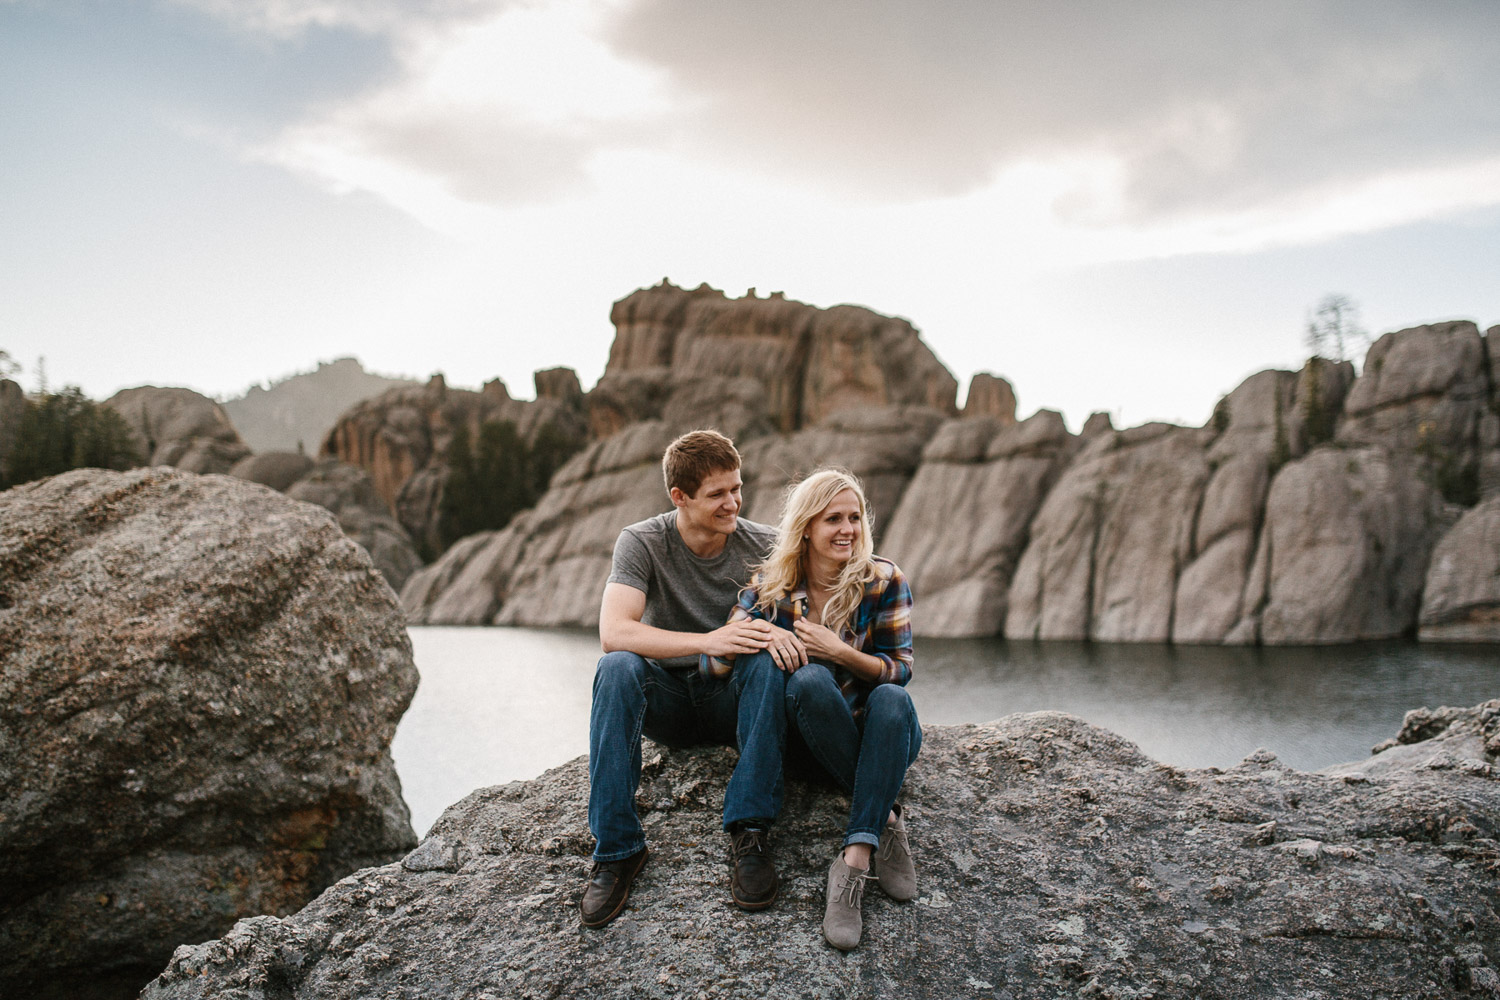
[[1117, 206]]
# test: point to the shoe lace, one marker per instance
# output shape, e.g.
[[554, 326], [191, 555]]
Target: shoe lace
[[894, 844], [748, 842], [851, 889]]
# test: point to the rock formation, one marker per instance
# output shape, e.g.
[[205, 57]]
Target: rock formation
[[698, 359], [1053, 859], [276, 469], [346, 490], [401, 437], [809, 362], [989, 478], [1461, 598], [199, 681], [1303, 512], [295, 413], [1427, 392], [179, 427]]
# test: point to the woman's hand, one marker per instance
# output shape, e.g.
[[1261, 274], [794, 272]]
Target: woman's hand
[[821, 642]]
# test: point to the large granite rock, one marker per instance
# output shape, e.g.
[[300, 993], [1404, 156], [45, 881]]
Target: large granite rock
[[1053, 859], [963, 522], [179, 427], [1110, 539], [810, 362], [1343, 551], [1461, 599], [199, 681], [1426, 392], [347, 491]]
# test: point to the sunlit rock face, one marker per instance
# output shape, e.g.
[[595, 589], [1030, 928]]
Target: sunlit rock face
[[1053, 859], [199, 682], [179, 427]]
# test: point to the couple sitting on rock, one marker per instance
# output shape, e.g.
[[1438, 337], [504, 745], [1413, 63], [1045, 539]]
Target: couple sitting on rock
[[815, 654]]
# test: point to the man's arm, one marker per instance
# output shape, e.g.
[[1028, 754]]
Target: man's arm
[[621, 628]]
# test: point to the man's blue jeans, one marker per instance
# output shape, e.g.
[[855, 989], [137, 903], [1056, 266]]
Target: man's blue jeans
[[634, 696], [869, 758]]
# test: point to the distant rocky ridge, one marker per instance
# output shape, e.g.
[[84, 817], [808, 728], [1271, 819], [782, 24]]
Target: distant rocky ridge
[[199, 682], [1053, 859], [1307, 510], [293, 414]]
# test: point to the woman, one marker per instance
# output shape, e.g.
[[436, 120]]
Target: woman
[[852, 611]]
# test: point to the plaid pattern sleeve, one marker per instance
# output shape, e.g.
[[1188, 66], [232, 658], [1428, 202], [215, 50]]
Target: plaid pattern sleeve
[[883, 623], [744, 608]]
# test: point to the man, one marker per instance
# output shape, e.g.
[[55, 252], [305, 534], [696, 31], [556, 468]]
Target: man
[[674, 578]]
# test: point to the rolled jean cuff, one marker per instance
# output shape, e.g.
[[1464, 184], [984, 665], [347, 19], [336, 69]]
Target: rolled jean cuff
[[862, 837], [620, 855]]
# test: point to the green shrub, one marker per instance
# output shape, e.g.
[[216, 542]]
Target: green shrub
[[59, 431]]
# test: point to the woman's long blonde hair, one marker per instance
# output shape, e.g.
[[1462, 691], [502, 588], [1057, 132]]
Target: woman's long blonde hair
[[785, 568]]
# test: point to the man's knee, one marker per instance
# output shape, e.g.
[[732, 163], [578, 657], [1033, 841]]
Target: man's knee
[[618, 673]]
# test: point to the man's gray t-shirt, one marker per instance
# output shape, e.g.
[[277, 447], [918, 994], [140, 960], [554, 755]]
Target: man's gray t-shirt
[[685, 592]]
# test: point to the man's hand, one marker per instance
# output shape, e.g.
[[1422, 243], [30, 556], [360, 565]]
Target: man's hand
[[737, 638], [787, 650]]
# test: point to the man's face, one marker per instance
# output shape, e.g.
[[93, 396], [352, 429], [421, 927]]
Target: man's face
[[716, 505]]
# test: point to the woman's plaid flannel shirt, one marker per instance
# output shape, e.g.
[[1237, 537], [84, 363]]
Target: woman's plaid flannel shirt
[[881, 626]]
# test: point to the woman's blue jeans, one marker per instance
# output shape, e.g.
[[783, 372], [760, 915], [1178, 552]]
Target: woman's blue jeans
[[868, 758], [633, 695]]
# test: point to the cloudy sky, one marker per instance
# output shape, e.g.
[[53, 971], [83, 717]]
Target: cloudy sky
[[1118, 206]]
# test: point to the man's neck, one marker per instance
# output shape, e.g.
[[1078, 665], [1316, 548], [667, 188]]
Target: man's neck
[[701, 542]]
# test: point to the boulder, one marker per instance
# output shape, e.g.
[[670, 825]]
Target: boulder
[[1343, 552], [1425, 392], [276, 469], [1053, 859], [963, 522], [179, 427], [199, 682], [1461, 599], [347, 491], [1110, 540]]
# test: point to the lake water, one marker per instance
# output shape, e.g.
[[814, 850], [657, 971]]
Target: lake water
[[498, 704]]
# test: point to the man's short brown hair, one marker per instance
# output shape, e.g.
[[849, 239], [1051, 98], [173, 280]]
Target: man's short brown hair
[[694, 457]]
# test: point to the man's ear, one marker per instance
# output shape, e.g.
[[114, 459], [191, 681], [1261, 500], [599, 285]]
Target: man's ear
[[678, 497]]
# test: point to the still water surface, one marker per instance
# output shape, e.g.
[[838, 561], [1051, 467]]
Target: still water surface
[[498, 704]]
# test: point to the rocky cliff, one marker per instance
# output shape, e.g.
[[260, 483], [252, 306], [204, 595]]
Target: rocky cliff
[[1306, 510], [199, 682], [401, 437], [1053, 859]]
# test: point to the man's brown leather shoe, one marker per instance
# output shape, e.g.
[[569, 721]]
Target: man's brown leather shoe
[[754, 883], [608, 887]]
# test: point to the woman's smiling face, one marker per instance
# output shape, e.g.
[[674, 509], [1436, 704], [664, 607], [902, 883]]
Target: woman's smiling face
[[832, 533]]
